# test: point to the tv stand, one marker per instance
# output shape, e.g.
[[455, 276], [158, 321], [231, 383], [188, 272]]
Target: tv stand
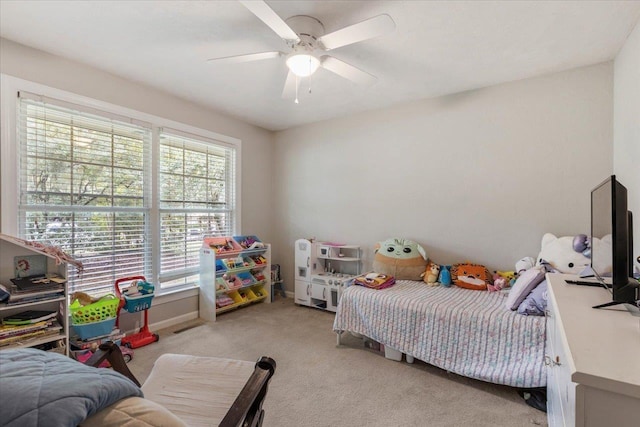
[[635, 285], [609, 304]]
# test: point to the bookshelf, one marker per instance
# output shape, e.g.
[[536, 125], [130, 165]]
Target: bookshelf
[[9, 249]]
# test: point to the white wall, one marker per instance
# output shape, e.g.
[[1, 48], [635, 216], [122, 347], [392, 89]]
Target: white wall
[[626, 126], [257, 143], [476, 176]]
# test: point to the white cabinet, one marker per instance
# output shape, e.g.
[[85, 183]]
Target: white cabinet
[[593, 373], [322, 271], [302, 292], [318, 291], [9, 249], [233, 279]]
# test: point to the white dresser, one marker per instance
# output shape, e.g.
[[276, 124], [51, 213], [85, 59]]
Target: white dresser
[[593, 358]]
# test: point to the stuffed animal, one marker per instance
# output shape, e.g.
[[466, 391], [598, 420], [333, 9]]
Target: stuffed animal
[[471, 276], [445, 276], [501, 280], [400, 258], [571, 254], [509, 275], [83, 298], [524, 264], [430, 276]]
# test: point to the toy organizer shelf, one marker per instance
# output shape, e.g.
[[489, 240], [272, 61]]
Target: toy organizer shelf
[[233, 274], [10, 249]]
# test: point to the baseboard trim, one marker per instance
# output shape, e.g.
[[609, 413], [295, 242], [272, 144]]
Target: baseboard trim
[[173, 321], [290, 294]]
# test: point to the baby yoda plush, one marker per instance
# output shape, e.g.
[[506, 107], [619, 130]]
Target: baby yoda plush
[[401, 258]]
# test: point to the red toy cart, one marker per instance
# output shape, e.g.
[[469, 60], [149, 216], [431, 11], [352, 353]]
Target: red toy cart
[[134, 305]]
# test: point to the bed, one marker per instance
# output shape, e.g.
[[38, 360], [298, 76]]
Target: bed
[[467, 332]]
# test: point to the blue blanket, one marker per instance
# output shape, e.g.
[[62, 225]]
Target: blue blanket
[[40, 389]]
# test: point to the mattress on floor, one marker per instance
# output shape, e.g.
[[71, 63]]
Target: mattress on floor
[[467, 332]]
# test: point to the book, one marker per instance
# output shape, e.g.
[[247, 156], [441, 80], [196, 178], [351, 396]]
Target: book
[[7, 331], [24, 339], [10, 294], [4, 293], [33, 283], [28, 317]]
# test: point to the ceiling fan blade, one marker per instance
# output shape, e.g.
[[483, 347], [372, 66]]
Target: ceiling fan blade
[[269, 17], [355, 33], [289, 90], [347, 71], [236, 59]]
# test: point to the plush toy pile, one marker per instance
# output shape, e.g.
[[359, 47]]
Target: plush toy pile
[[405, 259], [568, 254]]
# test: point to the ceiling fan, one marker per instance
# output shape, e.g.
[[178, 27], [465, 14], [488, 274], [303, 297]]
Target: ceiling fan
[[308, 42]]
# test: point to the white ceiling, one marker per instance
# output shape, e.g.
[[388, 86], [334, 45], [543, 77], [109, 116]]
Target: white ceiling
[[437, 48]]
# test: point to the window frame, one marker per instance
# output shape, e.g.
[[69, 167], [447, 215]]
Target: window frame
[[9, 156]]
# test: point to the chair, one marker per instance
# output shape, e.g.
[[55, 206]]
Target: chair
[[201, 390]]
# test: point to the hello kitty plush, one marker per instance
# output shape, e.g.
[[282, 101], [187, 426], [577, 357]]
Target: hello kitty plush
[[572, 254]]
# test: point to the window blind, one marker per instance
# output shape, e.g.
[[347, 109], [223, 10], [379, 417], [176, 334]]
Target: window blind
[[196, 199], [85, 186]]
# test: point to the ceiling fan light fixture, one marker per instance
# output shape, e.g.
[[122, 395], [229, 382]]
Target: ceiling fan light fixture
[[302, 64]]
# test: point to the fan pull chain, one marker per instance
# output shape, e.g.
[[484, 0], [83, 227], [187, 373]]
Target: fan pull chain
[[311, 76], [297, 84]]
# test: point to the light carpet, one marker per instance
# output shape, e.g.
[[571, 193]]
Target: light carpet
[[320, 384]]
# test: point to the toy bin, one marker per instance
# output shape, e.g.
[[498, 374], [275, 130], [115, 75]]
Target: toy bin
[[259, 292], [235, 296], [258, 275], [249, 242], [220, 266], [140, 299], [243, 296], [223, 301], [103, 309], [233, 263], [246, 278], [221, 284], [94, 329], [248, 262], [222, 245], [232, 281], [258, 260]]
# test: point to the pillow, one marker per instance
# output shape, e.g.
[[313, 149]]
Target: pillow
[[535, 303], [525, 283], [133, 412], [471, 276], [401, 258]]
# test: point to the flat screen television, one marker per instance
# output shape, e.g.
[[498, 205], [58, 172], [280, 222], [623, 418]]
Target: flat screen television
[[611, 221]]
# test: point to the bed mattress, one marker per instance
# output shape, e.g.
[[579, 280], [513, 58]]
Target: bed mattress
[[467, 332]]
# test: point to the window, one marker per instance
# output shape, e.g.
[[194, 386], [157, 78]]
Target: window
[[197, 199], [88, 185]]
